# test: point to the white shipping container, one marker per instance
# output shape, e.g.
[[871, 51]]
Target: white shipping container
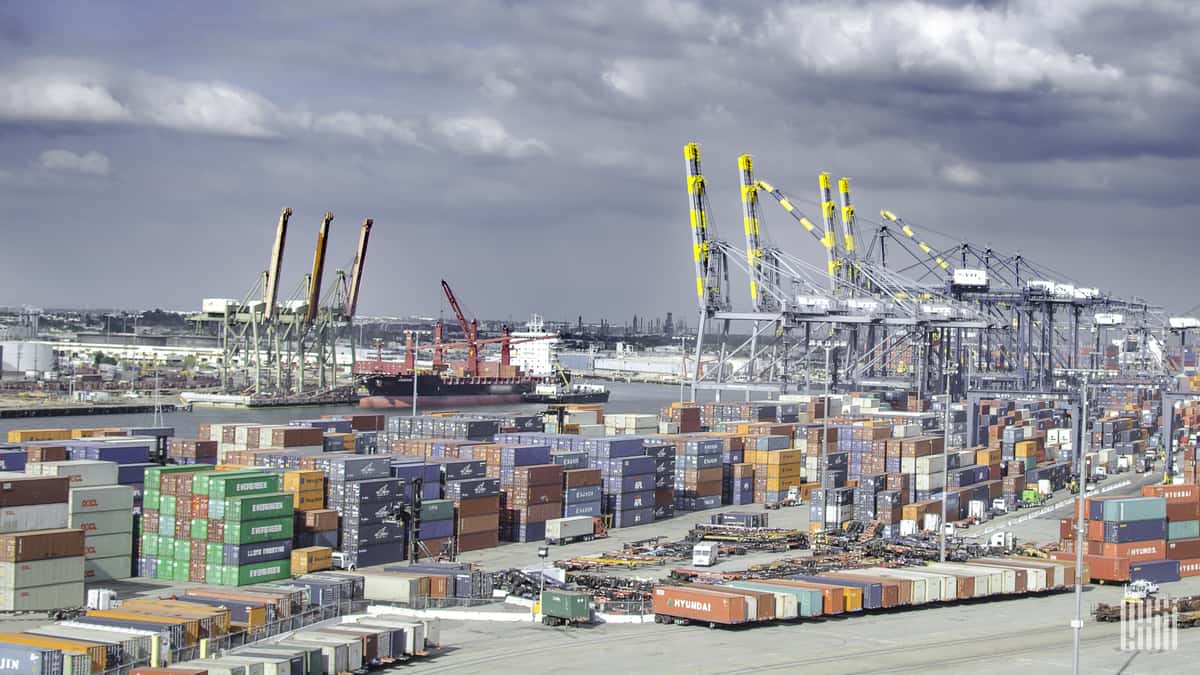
[[101, 498], [40, 572], [416, 634], [927, 481], [82, 472], [213, 667], [33, 517], [391, 587], [354, 646], [928, 464], [575, 526], [53, 596], [108, 545], [105, 522], [253, 666], [107, 569]]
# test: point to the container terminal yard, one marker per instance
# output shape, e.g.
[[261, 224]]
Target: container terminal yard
[[648, 337], [868, 470]]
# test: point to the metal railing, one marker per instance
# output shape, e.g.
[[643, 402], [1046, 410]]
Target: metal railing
[[221, 643], [428, 602], [630, 607]]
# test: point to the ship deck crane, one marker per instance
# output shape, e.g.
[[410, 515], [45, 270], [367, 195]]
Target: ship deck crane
[[470, 330]]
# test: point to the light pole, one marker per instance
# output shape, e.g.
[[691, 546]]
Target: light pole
[[682, 363], [1080, 534], [945, 475], [543, 552], [416, 344]]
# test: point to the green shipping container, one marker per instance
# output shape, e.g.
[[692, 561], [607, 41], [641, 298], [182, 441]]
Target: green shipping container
[[437, 509], [149, 545], [166, 505], [259, 507], [570, 605], [181, 572], [151, 499], [166, 524], [256, 573], [1183, 529], [166, 546], [1134, 508], [214, 572], [199, 529], [227, 484], [215, 553], [165, 569], [183, 551], [153, 475], [254, 531]]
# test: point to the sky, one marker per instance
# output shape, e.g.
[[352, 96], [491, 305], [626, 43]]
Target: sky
[[531, 152]]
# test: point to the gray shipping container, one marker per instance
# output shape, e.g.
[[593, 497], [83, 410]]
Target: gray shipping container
[[26, 660], [354, 645], [293, 657], [259, 665], [334, 657], [313, 659], [414, 631], [214, 667]]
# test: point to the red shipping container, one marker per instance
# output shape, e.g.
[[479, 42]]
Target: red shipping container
[[1183, 549], [30, 490], [1177, 511]]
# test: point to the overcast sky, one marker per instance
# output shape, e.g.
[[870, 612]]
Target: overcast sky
[[531, 152]]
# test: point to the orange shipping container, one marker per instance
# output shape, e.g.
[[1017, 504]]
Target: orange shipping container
[[686, 602], [1189, 567], [1107, 568], [1136, 551], [765, 601]]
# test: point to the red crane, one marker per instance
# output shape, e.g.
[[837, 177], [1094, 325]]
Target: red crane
[[470, 330]]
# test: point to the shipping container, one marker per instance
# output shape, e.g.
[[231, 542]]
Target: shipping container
[[96, 653], [353, 645], [569, 606], [33, 517], [833, 599], [689, 604], [53, 596], [297, 657], [101, 498], [41, 572], [31, 660], [760, 604], [334, 657]]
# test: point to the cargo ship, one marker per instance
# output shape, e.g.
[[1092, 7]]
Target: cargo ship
[[525, 363], [395, 389]]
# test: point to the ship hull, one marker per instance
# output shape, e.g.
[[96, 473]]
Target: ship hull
[[396, 391]]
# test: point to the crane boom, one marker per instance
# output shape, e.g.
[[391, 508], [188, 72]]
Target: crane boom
[[470, 330], [271, 290], [318, 269], [360, 258], [458, 313]]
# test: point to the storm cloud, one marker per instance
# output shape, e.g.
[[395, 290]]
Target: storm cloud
[[530, 153]]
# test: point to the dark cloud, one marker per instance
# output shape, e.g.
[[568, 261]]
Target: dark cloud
[[531, 152]]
